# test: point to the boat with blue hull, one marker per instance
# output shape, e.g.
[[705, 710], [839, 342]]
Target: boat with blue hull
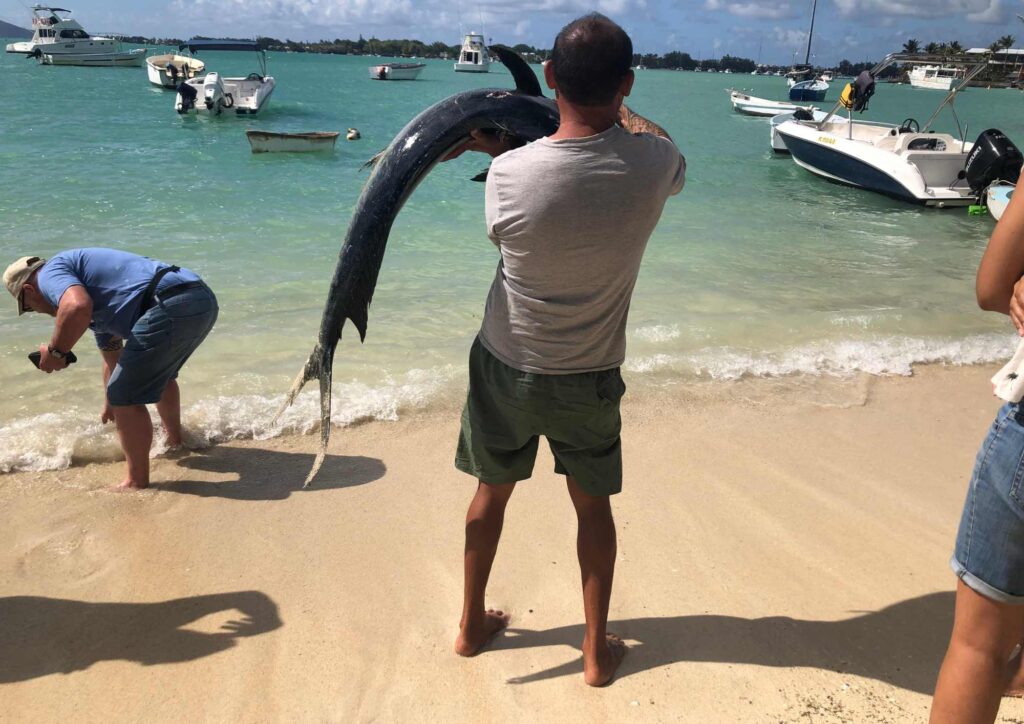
[[808, 91], [906, 161]]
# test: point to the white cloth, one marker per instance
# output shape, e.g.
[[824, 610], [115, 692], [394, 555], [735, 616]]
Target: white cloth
[[1008, 383]]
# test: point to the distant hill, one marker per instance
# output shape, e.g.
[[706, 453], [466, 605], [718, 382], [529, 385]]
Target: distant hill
[[13, 31]]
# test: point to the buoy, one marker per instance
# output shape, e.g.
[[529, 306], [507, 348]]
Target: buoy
[[353, 134]]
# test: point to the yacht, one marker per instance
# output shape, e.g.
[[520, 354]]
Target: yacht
[[935, 77], [473, 57], [214, 93], [55, 32], [906, 161]]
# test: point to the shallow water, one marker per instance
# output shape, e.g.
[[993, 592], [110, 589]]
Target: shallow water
[[756, 269]]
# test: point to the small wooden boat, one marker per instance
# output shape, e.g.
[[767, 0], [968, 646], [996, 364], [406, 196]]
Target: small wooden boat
[[396, 71], [270, 142], [754, 106]]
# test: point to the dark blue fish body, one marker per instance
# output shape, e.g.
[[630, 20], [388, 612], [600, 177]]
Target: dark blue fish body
[[421, 145]]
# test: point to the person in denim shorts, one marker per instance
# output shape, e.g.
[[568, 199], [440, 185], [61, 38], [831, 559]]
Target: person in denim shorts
[[570, 215], [983, 661], [148, 318]]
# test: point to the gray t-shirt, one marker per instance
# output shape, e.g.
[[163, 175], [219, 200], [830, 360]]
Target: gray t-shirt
[[571, 219]]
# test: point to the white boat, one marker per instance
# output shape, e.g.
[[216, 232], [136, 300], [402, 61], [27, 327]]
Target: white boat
[[906, 162], [170, 69], [55, 32], [809, 113], [124, 59], [826, 76], [754, 106], [396, 71], [271, 142], [935, 77], [214, 93], [997, 196], [473, 57]]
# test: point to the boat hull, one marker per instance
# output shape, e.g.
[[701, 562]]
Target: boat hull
[[753, 106], [997, 197], [248, 95], [389, 71], [268, 142], [472, 68], [808, 91], [129, 59]]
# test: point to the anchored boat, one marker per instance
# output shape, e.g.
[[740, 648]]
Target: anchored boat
[[170, 69], [119, 59], [473, 57], [271, 142], [55, 32], [396, 71], [754, 106], [214, 93]]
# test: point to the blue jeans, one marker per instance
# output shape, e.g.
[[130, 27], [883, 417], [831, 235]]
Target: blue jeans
[[162, 340], [989, 556]]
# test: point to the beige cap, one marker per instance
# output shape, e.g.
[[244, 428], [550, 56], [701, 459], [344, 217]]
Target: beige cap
[[18, 273]]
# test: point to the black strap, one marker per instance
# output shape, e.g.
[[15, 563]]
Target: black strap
[[147, 296]]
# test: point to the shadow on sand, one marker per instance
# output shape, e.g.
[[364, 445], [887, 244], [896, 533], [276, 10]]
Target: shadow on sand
[[270, 475], [41, 636], [902, 644]]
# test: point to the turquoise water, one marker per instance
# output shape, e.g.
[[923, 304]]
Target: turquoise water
[[756, 269]]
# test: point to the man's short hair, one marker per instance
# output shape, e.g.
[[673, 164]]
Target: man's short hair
[[590, 58]]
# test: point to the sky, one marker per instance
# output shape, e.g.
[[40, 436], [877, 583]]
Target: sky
[[771, 31]]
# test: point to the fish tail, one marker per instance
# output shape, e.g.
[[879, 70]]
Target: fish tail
[[317, 367], [310, 371]]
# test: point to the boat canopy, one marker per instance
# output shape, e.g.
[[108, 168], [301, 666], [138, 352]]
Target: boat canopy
[[196, 44]]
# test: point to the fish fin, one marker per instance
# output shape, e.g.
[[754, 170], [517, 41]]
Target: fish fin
[[326, 373], [310, 371], [482, 176], [373, 161], [522, 73]]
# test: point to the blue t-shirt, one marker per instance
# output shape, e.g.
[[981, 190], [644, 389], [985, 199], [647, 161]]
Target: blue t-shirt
[[115, 281]]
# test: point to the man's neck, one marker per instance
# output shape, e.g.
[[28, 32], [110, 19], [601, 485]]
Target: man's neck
[[583, 121]]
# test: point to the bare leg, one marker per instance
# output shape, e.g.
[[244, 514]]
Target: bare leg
[[169, 409], [135, 428], [484, 520], [596, 549], [974, 672], [1015, 676]]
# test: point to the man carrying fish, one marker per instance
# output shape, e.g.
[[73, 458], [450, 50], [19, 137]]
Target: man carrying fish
[[148, 317], [571, 214]]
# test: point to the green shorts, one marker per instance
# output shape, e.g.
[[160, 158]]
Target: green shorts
[[508, 410]]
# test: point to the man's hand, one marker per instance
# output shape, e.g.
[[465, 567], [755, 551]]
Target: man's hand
[[493, 144], [1017, 306], [107, 414], [47, 362]]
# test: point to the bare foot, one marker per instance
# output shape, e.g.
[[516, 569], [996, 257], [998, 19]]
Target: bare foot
[[600, 664], [473, 636], [129, 485]]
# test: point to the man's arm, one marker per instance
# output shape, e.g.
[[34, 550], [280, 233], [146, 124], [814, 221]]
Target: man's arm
[[74, 313], [111, 355]]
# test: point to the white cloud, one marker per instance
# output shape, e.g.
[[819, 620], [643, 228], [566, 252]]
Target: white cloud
[[994, 14], [753, 8], [974, 10], [789, 38]]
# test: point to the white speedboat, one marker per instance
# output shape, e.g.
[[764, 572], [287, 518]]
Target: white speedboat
[[906, 161], [396, 71], [55, 32], [214, 93], [754, 106], [170, 69], [997, 197], [473, 57], [271, 142], [124, 59], [935, 77]]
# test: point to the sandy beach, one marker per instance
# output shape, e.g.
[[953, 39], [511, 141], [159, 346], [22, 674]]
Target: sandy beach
[[780, 560]]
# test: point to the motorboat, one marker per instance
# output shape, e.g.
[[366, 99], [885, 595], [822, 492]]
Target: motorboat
[[271, 142], [826, 75], [997, 197], [214, 93], [170, 69], [754, 106], [473, 57], [808, 113], [808, 91], [396, 71], [935, 77], [906, 161], [120, 59], [55, 32]]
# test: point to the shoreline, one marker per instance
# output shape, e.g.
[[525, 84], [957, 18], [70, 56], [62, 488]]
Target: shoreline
[[776, 562]]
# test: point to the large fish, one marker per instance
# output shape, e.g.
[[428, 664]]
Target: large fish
[[523, 114]]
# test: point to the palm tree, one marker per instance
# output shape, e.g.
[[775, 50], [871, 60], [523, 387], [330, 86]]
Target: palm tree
[[932, 48], [953, 47], [1006, 42], [912, 46]]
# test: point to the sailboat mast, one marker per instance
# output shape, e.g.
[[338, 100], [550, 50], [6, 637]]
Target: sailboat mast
[[810, 34]]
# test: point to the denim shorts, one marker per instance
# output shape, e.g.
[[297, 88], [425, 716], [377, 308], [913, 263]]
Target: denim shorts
[[989, 556], [162, 340], [507, 411]]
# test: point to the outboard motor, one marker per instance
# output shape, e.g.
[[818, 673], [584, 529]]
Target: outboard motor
[[993, 158], [213, 92], [186, 100]]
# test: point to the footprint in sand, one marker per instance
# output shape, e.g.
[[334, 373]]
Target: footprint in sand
[[71, 554]]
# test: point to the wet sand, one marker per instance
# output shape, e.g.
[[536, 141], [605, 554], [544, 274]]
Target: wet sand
[[779, 560]]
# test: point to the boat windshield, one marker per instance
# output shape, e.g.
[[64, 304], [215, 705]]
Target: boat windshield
[[74, 34]]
